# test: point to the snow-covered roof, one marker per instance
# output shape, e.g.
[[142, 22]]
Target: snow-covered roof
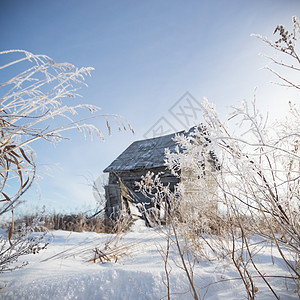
[[150, 153], [144, 154]]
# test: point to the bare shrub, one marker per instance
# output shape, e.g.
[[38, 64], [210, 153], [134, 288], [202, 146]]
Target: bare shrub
[[258, 186], [23, 241]]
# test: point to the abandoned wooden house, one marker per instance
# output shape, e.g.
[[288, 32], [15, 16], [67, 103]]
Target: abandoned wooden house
[[139, 158]]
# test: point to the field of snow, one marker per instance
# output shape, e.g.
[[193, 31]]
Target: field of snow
[[63, 271]]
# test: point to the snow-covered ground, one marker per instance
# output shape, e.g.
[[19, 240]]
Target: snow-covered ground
[[63, 271]]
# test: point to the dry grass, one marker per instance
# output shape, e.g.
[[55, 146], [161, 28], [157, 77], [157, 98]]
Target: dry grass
[[73, 222]]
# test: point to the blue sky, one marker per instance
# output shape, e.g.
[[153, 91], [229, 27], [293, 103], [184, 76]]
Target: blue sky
[[146, 55]]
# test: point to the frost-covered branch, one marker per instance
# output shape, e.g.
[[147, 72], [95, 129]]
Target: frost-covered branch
[[30, 100]]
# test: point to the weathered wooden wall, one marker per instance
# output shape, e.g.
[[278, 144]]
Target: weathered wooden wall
[[202, 191], [129, 179]]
